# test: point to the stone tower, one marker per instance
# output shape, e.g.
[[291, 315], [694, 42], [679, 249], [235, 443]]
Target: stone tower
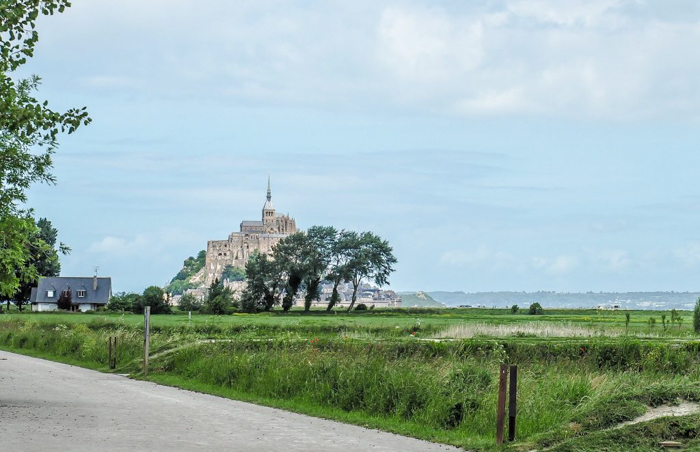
[[268, 212]]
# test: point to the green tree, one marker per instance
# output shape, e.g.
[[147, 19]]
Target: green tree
[[627, 321], [316, 256], [289, 255], [15, 245], [265, 283], [29, 132], [232, 273], [372, 259], [219, 299], [514, 309], [344, 242], [535, 309], [674, 316], [44, 258], [65, 300], [154, 297], [122, 301], [189, 302], [696, 316]]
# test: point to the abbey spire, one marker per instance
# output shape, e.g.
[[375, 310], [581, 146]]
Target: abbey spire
[[269, 191], [268, 213]]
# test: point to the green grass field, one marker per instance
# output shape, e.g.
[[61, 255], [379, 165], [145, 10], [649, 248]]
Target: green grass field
[[607, 321], [428, 373]]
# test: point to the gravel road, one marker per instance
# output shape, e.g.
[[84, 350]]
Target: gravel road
[[48, 406]]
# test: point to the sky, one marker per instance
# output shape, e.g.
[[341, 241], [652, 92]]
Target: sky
[[497, 145]]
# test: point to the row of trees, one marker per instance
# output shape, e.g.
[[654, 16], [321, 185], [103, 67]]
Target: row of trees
[[302, 261], [29, 132], [219, 300]]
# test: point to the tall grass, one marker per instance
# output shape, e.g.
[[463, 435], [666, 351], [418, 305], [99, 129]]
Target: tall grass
[[532, 329], [569, 386]]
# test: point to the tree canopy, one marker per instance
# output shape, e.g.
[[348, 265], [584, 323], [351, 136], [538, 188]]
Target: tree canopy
[[305, 259], [29, 132]]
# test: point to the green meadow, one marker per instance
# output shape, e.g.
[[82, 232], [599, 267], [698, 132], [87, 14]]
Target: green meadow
[[427, 373]]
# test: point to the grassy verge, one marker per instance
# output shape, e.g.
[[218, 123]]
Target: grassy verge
[[570, 388]]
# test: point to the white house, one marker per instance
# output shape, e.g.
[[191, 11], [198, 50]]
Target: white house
[[87, 293]]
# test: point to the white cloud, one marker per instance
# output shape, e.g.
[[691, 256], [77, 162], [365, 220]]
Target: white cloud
[[118, 246], [562, 264], [428, 45], [610, 59], [481, 256], [557, 265], [613, 260]]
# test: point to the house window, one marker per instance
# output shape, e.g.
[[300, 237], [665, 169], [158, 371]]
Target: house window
[[49, 294], [81, 293]]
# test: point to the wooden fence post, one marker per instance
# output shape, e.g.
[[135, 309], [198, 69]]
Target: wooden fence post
[[501, 410], [112, 352], [512, 402], [146, 337], [109, 358]]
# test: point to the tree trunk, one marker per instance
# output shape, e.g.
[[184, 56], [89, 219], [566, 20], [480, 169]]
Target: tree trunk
[[354, 295], [334, 296], [311, 293]]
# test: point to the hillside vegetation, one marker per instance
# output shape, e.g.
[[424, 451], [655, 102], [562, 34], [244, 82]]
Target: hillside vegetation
[[418, 300], [182, 281]]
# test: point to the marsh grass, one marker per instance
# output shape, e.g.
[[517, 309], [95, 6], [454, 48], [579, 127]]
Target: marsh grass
[[533, 329], [570, 386]]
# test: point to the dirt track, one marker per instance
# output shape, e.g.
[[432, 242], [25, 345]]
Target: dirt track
[[47, 406]]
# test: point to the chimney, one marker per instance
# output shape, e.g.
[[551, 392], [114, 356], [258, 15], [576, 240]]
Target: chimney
[[94, 282]]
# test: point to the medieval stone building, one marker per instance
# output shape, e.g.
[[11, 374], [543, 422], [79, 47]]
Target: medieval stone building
[[253, 236]]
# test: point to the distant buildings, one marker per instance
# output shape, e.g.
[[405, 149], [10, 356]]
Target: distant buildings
[[87, 293], [366, 294]]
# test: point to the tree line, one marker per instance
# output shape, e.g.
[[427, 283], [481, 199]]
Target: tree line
[[301, 262]]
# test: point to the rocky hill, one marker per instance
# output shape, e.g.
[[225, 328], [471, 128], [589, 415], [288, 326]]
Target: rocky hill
[[418, 300]]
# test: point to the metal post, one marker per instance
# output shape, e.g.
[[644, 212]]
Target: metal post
[[512, 402], [146, 337], [501, 409]]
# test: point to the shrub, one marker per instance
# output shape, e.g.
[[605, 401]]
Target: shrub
[[514, 309], [696, 317], [122, 301], [361, 307], [153, 296], [535, 309], [65, 301], [189, 302]]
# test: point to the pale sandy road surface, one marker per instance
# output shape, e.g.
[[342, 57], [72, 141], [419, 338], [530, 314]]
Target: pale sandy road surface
[[48, 406]]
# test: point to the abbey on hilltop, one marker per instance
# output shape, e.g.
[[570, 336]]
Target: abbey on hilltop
[[253, 236]]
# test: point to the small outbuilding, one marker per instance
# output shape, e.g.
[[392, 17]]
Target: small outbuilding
[[87, 293]]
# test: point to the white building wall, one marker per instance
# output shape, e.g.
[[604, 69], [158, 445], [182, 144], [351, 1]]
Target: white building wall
[[86, 307], [43, 307]]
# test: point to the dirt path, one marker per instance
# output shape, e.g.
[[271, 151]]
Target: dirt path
[[47, 406], [682, 409]]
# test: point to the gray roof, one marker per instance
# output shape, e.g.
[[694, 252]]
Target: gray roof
[[251, 223], [61, 283]]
